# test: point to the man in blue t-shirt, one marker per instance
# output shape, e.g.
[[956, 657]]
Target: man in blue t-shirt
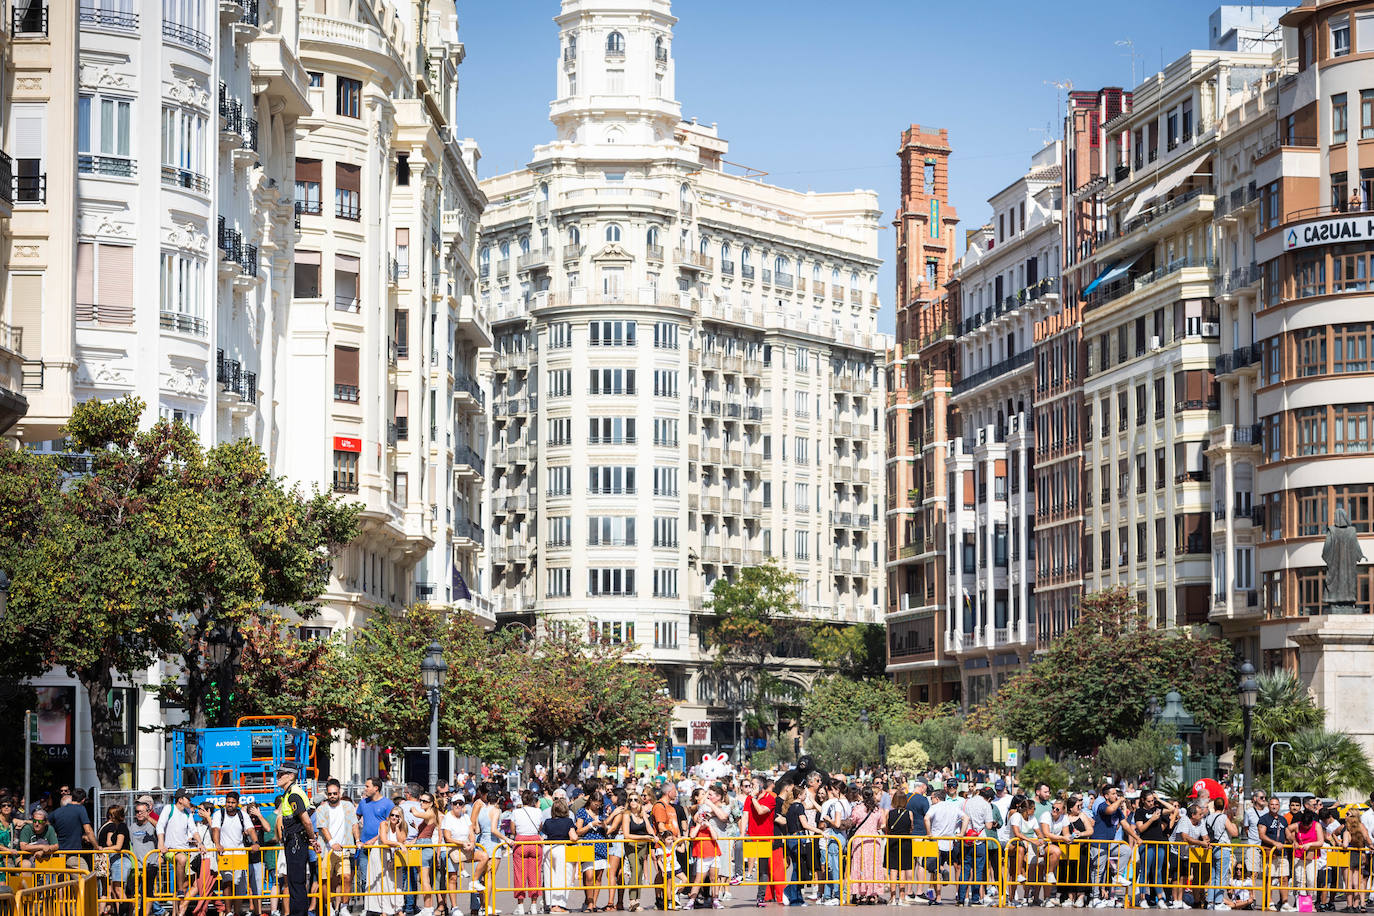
[[373, 808], [1107, 817]]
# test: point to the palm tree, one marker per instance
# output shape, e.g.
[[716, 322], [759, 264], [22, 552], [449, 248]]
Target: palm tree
[[1325, 764], [1283, 707]]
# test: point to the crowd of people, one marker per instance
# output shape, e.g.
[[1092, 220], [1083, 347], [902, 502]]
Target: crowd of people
[[598, 841]]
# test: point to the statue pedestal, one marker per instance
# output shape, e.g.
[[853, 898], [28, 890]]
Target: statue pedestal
[[1336, 658]]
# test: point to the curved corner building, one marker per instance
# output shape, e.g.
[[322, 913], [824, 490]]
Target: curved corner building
[[685, 372]]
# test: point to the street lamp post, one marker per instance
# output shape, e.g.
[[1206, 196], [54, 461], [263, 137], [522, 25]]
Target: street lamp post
[[1248, 688], [433, 671]]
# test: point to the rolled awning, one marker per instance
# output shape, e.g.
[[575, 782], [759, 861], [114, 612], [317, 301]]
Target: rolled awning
[[1097, 281], [1178, 176]]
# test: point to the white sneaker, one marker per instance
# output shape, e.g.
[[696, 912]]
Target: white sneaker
[[1051, 902], [1179, 905], [477, 886], [519, 909], [1078, 903], [1051, 879], [1223, 907], [1162, 904]]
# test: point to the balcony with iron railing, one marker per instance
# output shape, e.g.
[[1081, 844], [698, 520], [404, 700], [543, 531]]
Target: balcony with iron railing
[[106, 166], [186, 35], [183, 323], [177, 177], [346, 393]]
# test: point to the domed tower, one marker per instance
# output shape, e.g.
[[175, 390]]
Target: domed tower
[[615, 73]]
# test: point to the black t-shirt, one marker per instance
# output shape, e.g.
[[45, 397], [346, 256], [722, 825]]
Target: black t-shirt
[[1155, 831], [557, 828], [110, 833], [1274, 826], [793, 817], [68, 821]]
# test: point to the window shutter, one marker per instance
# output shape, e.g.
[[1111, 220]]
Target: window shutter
[[346, 263], [347, 177], [402, 237], [308, 258], [970, 491], [85, 273], [402, 404], [28, 134], [26, 294], [308, 170], [346, 366], [117, 275]]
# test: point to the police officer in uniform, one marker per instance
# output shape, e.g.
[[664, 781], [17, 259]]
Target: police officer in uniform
[[297, 832]]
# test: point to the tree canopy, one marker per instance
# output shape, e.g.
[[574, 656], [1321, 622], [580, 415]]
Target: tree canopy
[[134, 550], [1072, 697]]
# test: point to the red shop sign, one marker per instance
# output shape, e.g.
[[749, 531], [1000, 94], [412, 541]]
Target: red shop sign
[[347, 444]]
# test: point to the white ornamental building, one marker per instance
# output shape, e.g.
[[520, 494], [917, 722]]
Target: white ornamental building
[[685, 372]]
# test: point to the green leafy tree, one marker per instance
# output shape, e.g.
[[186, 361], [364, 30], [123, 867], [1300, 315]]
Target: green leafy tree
[[1072, 697], [127, 556], [838, 700], [973, 749], [909, 757], [590, 694], [939, 736], [777, 753], [755, 619], [1283, 707], [1034, 772], [1324, 763], [857, 651], [1148, 754], [843, 747]]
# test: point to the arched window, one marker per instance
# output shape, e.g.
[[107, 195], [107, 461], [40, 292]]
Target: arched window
[[574, 235], [725, 251], [524, 244], [571, 53], [782, 266], [854, 280], [660, 52], [704, 246], [485, 258], [816, 272], [613, 233], [615, 43], [746, 688], [505, 251], [651, 237], [544, 191], [684, 193], [744, 257]]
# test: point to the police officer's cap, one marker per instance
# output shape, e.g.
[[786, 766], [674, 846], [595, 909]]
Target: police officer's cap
[[287, 770]]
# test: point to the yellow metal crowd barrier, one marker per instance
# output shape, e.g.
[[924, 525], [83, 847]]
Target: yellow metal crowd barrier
[[1213, 873], [48, 888], [553, 869], [186, 880], [893, 865]]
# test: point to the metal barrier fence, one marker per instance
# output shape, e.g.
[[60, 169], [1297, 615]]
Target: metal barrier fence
[[47, 889], [553, 869], [187, 880], [384, 878], [925, 866]]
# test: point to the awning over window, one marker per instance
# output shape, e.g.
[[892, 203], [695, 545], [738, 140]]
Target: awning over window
[[1118, 269], [1163, 187]]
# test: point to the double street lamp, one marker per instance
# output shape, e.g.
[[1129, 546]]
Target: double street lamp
[[433, 673], [1248, 690], [221, 645]]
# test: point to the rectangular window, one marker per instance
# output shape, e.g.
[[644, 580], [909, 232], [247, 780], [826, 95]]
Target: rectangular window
[[610, 480], [1311, 427], [346, 472], [665, 432], [612, 334], [610, 582], [560, 431], [560, 481], [665, 480], [802, 542], [308, 177], [1350, 346], [559, 383], [665, 335], [665, 383], [347, 194], [1310, 352], [1351, 425], [348, 97], [558, 582], [105, 283], [346, 374], [665, 531], [1340, 35], [801, 359], [560, 335], [611, 431], [560, 531], [183, 148], [1367, 105], [1338, 131], [183, 285], [799, 451], [665, 586], [102, 135], [611, 381], [611, 531]]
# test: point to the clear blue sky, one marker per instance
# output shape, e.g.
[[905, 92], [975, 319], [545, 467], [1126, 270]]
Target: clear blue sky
[[817, 94]]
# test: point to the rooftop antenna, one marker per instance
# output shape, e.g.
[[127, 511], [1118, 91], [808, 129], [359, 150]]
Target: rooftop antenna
[[1130, 45], [1063, 86]]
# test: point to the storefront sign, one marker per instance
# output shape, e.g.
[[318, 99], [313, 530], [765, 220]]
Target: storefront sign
[[347, 444], [1326, 231], [701, 732]]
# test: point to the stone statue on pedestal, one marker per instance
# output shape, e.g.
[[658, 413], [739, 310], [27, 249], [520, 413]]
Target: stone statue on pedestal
[[1342, 555]]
